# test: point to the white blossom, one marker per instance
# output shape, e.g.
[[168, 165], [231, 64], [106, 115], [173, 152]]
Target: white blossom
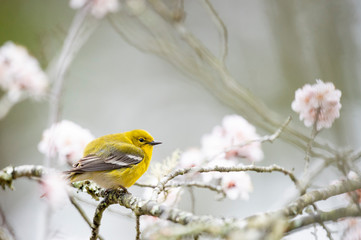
[[20, 73], [320, 97], [66, 140], [352, 229], [98, 8], [237, 185], [191, 158], [54, 189], [234, 139]]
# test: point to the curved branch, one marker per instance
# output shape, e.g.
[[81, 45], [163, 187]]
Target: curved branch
[[309, 198], [333, 215], [273, 168]]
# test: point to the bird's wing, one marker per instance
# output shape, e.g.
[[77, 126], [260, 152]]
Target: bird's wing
[[116, 156]]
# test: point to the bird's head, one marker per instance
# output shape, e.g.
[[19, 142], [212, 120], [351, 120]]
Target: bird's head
[[141, 138]]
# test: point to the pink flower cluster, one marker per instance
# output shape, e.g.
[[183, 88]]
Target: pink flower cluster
[[98, 8], [66, 140], [20, 73], [226, 146], [321, 98], [232, 141]]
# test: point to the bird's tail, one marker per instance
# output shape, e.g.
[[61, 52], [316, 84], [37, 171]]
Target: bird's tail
[[70, 175]]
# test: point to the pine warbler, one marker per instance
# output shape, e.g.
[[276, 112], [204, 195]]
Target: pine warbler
[[115, 160]]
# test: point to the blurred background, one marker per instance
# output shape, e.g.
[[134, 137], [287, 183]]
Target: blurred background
[[274, 47]]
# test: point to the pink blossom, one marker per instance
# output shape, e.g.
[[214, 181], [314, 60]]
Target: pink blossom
[[20, 73], [322, 97], [237, 185], [98, 8], [352, 230], [54, 189], [233, 140], [66, 140]]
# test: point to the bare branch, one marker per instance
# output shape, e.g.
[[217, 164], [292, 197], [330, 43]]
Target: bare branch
[[333, 215], [209, 186], [273, 168], [309, 198]]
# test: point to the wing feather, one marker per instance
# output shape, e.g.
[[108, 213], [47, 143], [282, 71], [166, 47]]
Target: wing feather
[[117, 155]]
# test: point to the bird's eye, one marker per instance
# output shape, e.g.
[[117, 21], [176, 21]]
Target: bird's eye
[[141, 139]]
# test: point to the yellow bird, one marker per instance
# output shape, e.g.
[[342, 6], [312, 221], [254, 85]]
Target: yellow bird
[[115, 160]]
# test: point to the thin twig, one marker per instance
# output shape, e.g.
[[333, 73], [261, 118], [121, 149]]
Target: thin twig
[[82, 213], [314, 133], [328, 231], [209, 186], [273, 168]]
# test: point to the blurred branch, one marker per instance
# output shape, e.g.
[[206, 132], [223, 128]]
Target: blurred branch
[[322, 224], [321, 216], [80, 30], [223, 29], [187, 53], [6, 231], [8, 174], [309, 198]]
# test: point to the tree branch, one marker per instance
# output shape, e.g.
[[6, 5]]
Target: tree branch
[[213, 226]]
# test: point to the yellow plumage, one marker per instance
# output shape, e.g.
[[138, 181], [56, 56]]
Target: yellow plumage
[[115, 160]]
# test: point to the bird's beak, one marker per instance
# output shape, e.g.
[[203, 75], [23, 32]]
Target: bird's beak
[[154, 143]]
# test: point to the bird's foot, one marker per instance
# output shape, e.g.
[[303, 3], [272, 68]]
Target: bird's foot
[[116, 191]]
